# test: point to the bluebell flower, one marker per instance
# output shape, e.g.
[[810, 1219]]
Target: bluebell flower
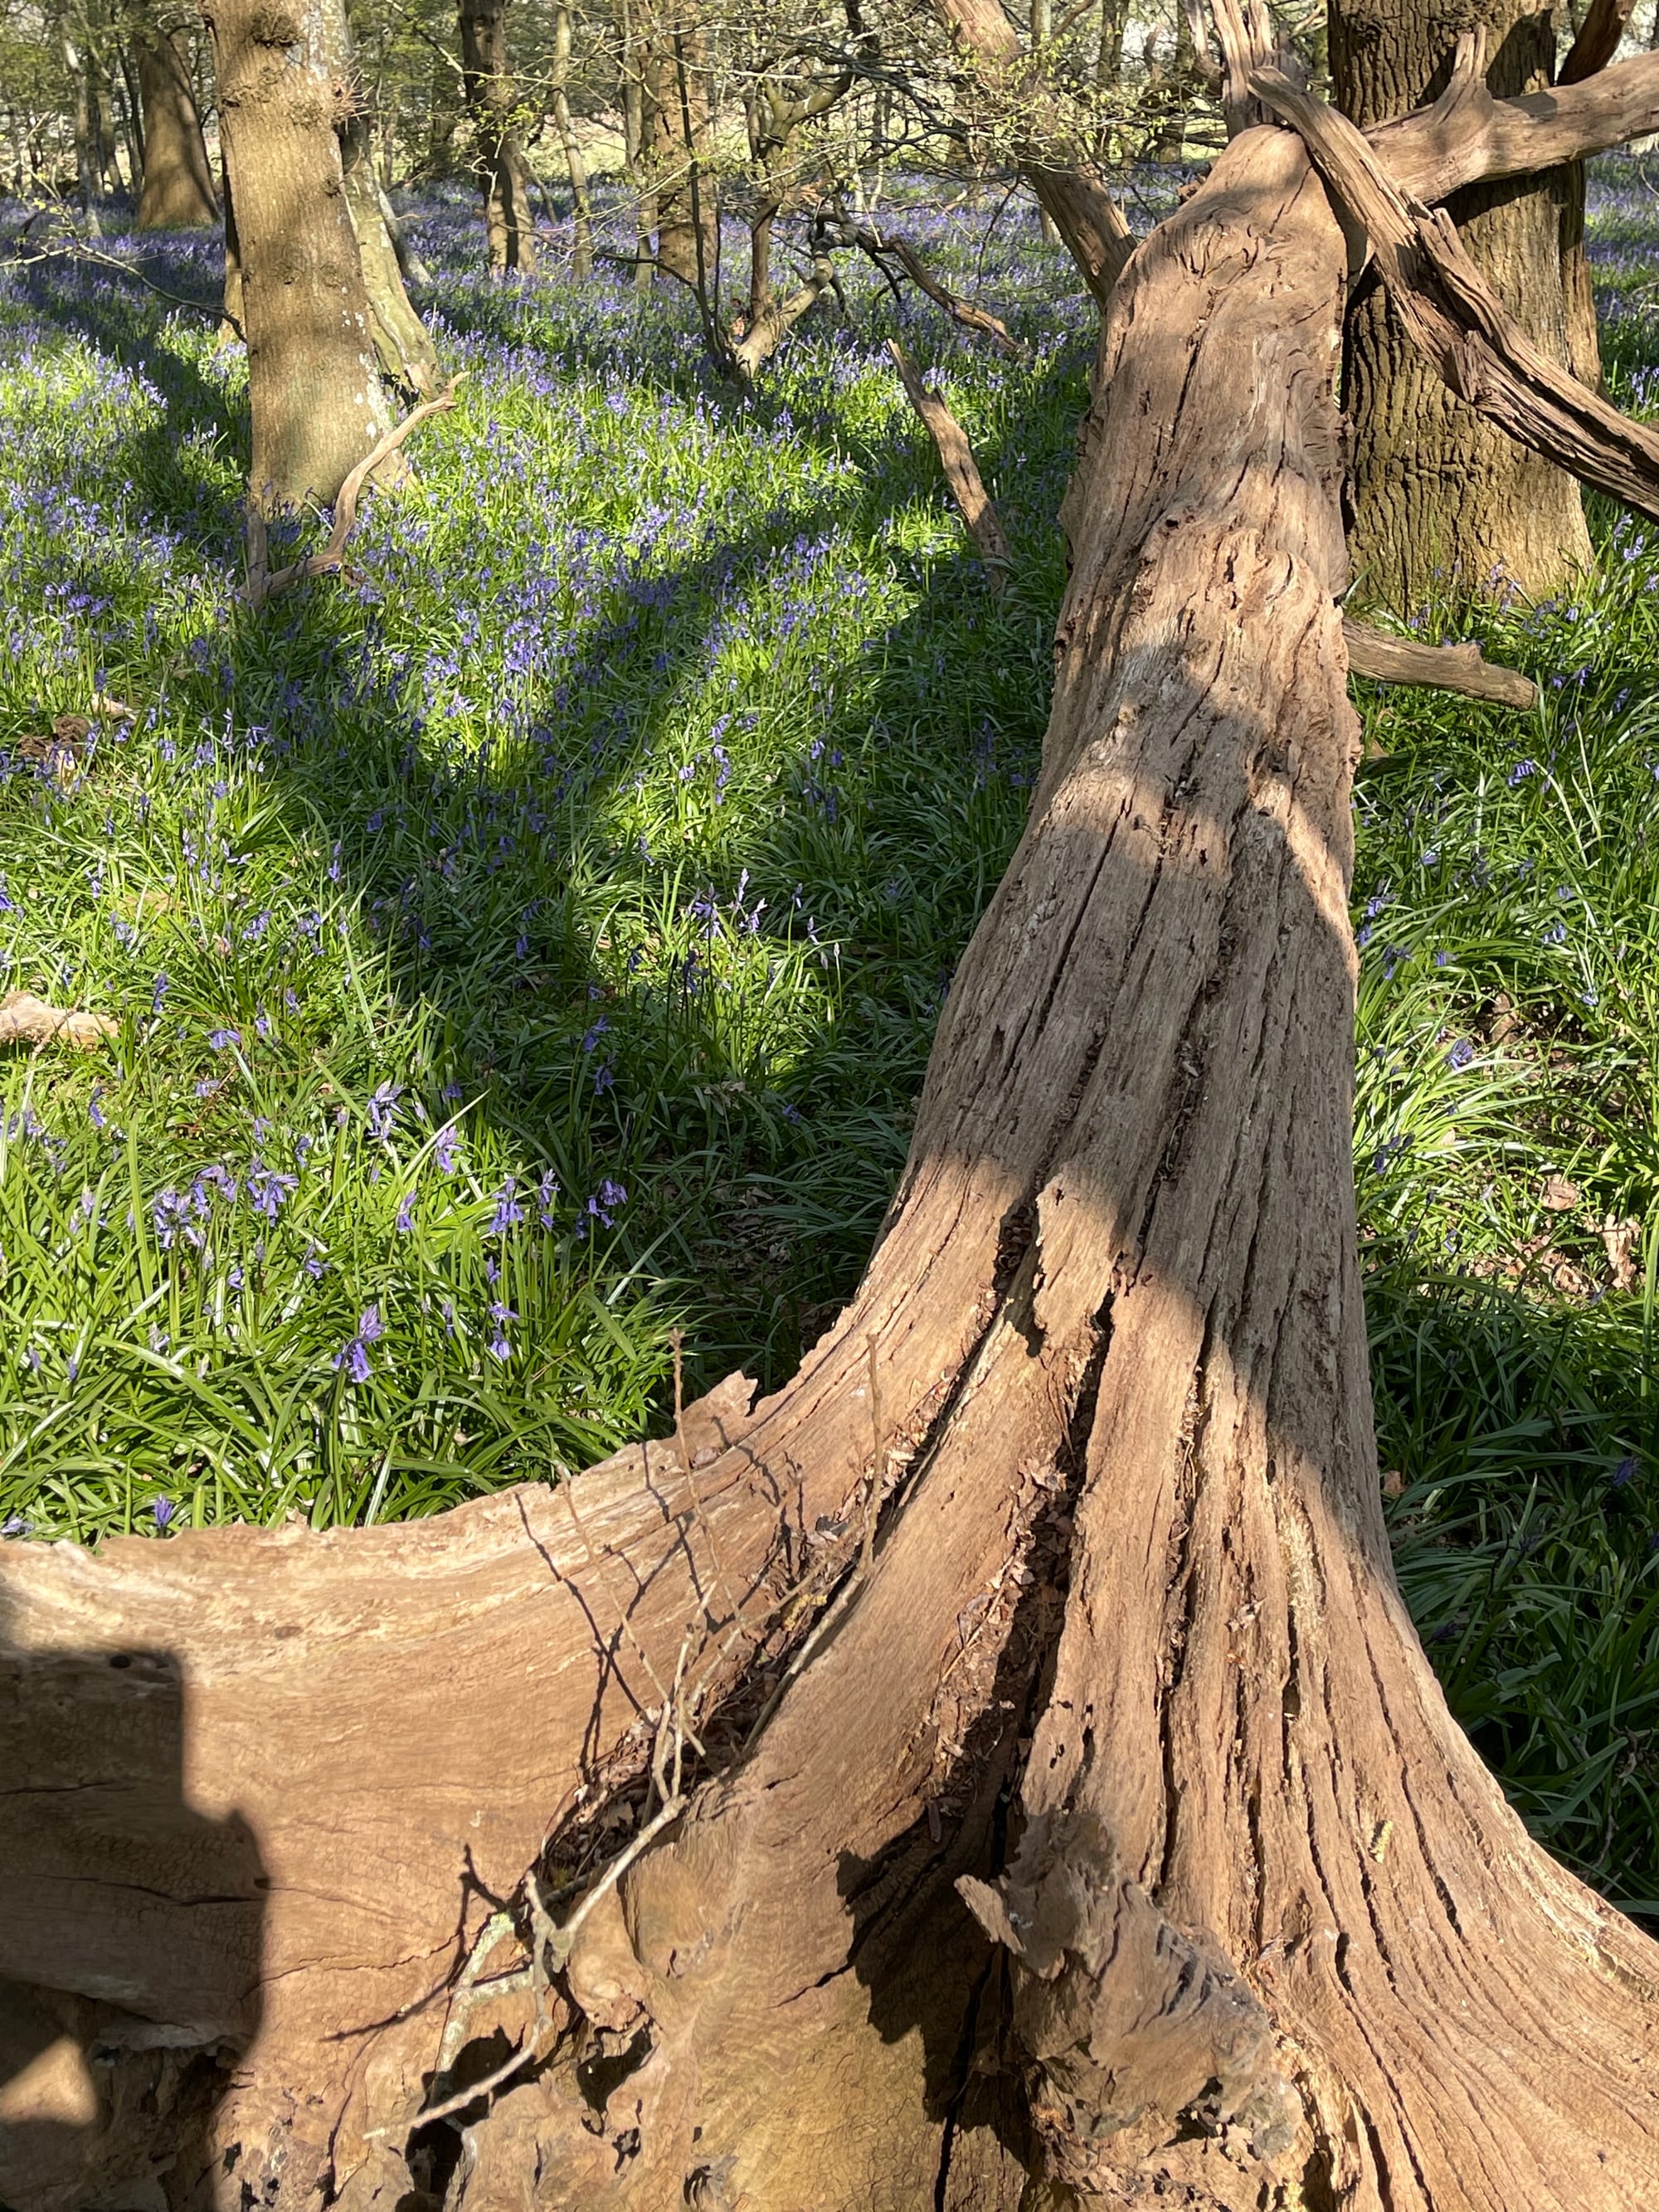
[[163, 1509], [221, 1040], [1460, 1053], [1625, 1471], [406, 1213], [268, 1191], [383, 1110], [605, 1201], [353, 1356], [508, 1212]]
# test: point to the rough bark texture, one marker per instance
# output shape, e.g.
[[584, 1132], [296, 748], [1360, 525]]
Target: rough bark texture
[[1241, 1920], [1441, 500], [581, 228], [313, 386], [178, 188], [500, 164]]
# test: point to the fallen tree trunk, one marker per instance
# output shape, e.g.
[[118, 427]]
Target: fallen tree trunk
[[1108, 1833]]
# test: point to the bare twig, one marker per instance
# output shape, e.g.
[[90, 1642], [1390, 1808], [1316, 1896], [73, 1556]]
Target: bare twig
[[564, 1941], [262, 586], [214, 309], [1388, 660], [961, 471]]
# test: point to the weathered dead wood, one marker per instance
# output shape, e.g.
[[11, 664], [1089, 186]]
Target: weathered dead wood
[[956, 457], [1115, 1324], [262, 585], [1461, 328], [1467, 136], [879, 245], [25, 1019], [768, 331], [1389, 660]]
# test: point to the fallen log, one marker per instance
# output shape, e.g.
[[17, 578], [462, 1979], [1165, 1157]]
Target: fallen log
[[1081, 1492]]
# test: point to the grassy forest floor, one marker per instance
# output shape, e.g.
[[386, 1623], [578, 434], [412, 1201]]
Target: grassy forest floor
[[532, 941]]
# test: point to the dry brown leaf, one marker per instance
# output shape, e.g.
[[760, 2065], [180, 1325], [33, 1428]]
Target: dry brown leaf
[[1560, 1196], [1392, 1482], [25, 1019], [1621, 1239]]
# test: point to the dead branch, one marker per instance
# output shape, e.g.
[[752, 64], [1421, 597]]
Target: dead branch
[[1597, 41], [215, 310], [1070, 190], [870, 241], [961, 470], [1467, 137], [1387, 659], [1459, 324], [1249, 42], [768, 331], [25, 1019], [263, 588]]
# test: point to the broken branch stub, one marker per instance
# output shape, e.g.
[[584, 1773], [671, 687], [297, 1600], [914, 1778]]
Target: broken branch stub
[[25, 1019], [1459, 324], [1467, 137], [1388, 660]]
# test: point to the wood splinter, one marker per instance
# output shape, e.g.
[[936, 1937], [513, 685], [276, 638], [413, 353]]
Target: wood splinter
[[961, 471], [1460, 668]]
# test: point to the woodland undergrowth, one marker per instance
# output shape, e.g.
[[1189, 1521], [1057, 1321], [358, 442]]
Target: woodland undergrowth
[[530, 942]]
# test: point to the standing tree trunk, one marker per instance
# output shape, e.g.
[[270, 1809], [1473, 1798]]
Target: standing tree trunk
[[88, 135], [581, 256], [403, 345], [499, 161], [677, 148], [314, 386], [631, 51], [1442, 500], [178, 187]]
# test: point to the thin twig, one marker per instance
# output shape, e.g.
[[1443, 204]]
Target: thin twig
[[215, 310]]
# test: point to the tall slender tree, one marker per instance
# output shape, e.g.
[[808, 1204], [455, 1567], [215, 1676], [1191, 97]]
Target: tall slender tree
[[501, 167]]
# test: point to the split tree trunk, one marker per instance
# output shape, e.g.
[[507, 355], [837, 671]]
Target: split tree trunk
[[178, 183], [499, 159], [1443, 502], [313, 386]]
